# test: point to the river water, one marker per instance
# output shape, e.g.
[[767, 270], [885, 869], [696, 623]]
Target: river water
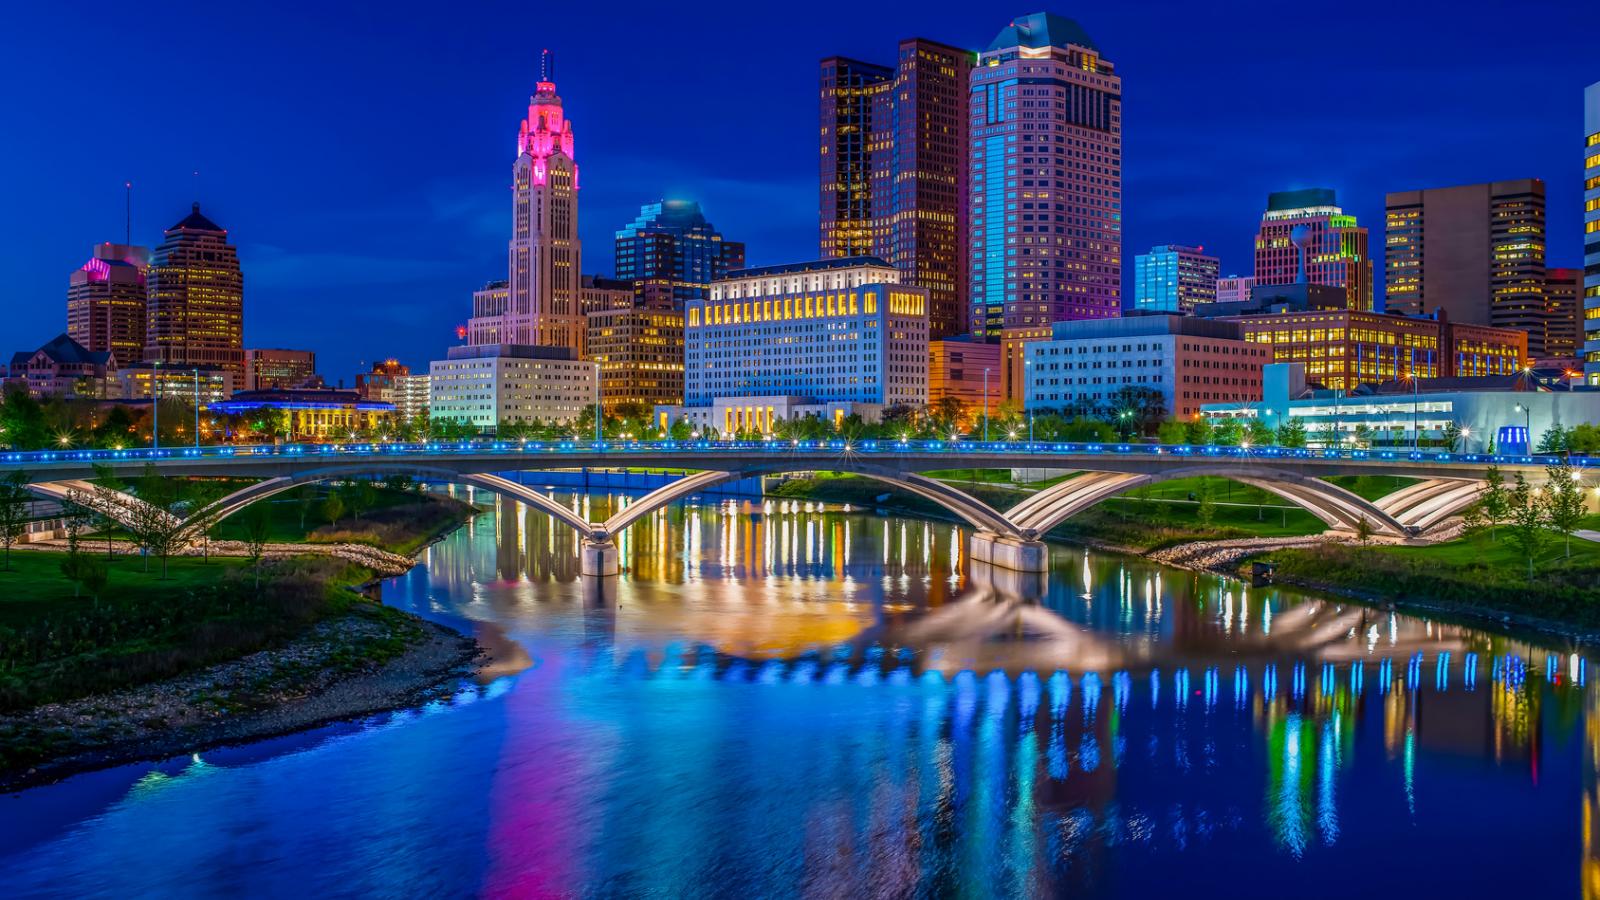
[[780, 700]]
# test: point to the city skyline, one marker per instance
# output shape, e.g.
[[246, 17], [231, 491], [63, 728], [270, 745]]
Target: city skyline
[[395, 263]]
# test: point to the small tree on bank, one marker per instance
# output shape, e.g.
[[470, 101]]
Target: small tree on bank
[[257, 523], [14, 499], [1529, 521], [1563, 501], [1364, 530], [1496, 502]]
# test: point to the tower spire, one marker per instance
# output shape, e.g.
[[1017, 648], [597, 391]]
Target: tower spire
[[127, 212], [547, 65]]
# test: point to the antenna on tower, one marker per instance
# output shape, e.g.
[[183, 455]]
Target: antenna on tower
[[547, 65], [197, 188], [127, 212]]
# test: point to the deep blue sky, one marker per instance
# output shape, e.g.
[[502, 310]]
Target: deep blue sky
[[360, 153]]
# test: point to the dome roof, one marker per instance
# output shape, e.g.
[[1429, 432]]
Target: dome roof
[[1039, 30]]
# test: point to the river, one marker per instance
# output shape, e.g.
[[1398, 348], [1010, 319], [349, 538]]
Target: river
[[779, 699]]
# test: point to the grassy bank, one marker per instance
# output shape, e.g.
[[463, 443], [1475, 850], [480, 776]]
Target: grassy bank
[[1476, 573], [400, 521], [55, 646]]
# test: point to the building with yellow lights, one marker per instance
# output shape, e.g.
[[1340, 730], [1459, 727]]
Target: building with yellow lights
[[640, 354], [315, 414], [844, 334]]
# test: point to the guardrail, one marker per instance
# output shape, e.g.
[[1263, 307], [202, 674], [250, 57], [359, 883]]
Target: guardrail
[[956, 448]]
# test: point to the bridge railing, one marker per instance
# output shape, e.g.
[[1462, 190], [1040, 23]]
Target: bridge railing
[[1022, 450]]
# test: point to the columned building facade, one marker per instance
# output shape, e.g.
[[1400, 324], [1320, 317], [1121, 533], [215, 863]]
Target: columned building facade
[[1045, 112]]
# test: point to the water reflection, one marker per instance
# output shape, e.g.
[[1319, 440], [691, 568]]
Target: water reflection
[[781, 699]]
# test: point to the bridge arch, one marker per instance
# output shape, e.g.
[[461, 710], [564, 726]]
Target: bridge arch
[[1332, 504]]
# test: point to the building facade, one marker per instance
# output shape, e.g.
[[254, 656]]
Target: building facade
[[107, 301], [893, 169], [839, 329], [489, 306], [1173, 278], [1013, 359], [482, 386], [545, 254], [411, 396], [1343, 348], [1190, 362], [64, 368], [1046, 178], [196, 299], [141, 381], [267, 369], [1476, 251], [1591, 234], [670, 254], [1235, 288], [312, 414], [1306, 237], [640, 354], [966, 371], [1563, 313]]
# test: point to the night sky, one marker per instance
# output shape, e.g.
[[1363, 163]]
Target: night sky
[[360, 154]]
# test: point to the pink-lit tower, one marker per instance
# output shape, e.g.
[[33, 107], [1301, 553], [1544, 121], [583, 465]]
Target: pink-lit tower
[[543, 304]]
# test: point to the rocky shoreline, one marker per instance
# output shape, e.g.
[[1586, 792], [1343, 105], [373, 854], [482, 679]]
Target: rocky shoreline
[[265, 694]]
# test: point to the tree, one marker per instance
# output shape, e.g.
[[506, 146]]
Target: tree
[[1207, 509], [1363, 435], [154, 525], [333, 508], [1228, 433], [1452, 436], [257, 523], [84, 571], [1529, 520], [14, 499], [1292, 433], [1258, 434], [1553, 441], [1173, 431], [1328, 436], [1364, 530], [1197, 431], [1564, 503], [1496, 502]]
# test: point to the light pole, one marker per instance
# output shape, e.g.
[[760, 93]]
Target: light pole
[[155, 405], [1415, 435], [1030, 428], [986, 405], [197, 409], [597, 414], [1527, 427]]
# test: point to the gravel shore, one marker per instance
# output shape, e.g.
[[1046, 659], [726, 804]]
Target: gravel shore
[[309, 682]]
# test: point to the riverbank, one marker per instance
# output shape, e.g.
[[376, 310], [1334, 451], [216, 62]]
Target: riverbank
[[141, 665]]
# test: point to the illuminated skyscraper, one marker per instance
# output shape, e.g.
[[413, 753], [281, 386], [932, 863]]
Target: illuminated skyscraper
[[1591, 233], [894, 168], [196, 307], [671, 254], [106, 301], [1335, 246], [1046, 178], [1172, 278], [542, 303], [1563, 310], [1475, 250]]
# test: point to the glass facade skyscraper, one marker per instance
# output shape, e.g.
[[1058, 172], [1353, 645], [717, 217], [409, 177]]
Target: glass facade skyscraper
[[894, 167], [1045, 114], [671, 254], [1173, 278]]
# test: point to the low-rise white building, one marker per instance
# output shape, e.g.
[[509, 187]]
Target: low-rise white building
[[820, 337], [485, 385]]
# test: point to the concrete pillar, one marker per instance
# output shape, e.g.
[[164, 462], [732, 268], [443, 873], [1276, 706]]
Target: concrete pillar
[[1005, 552], [598, 558]]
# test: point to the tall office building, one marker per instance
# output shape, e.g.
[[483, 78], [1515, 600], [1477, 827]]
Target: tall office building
[[1046, 183], [542, 300], [107, 301], [671, 254], [1476, 251], [278, 369], [1173, 278], [1305, 236], [894, 168], [196, 299], [1563, 313], [1591, 233]]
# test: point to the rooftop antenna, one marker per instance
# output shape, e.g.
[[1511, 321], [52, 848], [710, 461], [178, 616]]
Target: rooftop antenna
[[196, 188], [547, 65], [127, 212]]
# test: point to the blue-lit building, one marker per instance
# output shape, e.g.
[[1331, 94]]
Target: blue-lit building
[[1172, 278], [671, 254], [310, 414]]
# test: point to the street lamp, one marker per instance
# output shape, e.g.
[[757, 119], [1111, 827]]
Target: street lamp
[[197, 408], [155, 405], [1527, 427], [1411, 377], [986, 405], [597, 411], [1465, 434]]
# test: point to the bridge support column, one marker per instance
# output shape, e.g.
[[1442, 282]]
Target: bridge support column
[[598, 559], [1010, 553]]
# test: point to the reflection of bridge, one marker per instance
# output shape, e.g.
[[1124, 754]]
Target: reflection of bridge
[[1010, 539]]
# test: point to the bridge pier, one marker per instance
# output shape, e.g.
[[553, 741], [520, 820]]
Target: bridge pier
[[1009, 553], [598, 559], [1029, 587]]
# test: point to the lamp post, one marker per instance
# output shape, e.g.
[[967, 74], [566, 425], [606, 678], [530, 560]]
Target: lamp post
[[986, 405], [155, 405], [1527, 426], [197, 408], [1030, 428], [597, 414], [1415, 435]]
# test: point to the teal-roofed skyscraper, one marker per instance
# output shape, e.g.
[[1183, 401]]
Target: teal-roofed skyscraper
[[1045, 114], [671, 254]]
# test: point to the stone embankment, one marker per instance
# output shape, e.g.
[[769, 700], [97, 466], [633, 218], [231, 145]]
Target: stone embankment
[[382, 562]]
